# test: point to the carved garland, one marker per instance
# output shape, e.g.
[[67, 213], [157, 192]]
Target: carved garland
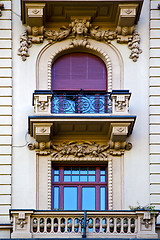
[[79, 31], [87, 151], [93, 48], [1, 8]]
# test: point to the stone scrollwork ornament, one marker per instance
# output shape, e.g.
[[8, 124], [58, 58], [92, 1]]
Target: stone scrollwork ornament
[[79, 31]]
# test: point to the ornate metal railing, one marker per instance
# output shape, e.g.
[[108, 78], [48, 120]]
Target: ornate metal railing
[[81, 102], [70, 224]]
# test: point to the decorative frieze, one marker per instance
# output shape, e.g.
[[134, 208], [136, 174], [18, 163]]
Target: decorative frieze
[[80, 30], [86, 151]]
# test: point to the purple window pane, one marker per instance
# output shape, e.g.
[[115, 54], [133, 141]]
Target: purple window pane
[[83, 178], [56, 178], [102, 198], [70, 198], [67, 170], [75, 170], [102, 178], [88, 198], [67, 178], [83, 171], [56, 197], [91, 178], [75, 178]]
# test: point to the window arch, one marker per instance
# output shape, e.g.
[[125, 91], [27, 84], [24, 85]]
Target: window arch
[[76, 71]]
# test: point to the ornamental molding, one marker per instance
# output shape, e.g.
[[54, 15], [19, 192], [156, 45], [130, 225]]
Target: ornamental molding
[[79, 31], [86, 151]]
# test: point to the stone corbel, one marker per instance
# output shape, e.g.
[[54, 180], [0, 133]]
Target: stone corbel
[[126, 21], [42, 102], [120, 102], [42, 132], [1, 8], [35, 21]]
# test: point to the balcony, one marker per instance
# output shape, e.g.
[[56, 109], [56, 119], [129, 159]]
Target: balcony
[[78, 224], [89, 113]]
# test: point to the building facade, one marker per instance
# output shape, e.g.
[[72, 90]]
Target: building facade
[[79, 119]]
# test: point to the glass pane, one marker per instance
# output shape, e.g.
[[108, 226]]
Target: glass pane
[[70, 198], [92, 171], [102, 171], [75, 178], [102, 178], [56, 197], [56, 178], [92, 178], [102, 198], [83, 178], [67, 178], [75, 170], [56, 171], [83, 171], [88, 198], [67, 170]]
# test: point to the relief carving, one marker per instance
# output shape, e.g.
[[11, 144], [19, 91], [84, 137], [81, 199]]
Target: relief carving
[[134, 45], [81, 29], [25, 44], [75, 150]]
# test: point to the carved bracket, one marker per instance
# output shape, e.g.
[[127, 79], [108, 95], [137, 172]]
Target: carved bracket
[[81, 29]]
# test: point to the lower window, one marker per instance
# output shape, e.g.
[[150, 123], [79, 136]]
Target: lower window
[[79, 188]]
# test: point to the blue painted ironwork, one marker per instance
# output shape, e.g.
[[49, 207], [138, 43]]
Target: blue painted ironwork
[[81, 102]]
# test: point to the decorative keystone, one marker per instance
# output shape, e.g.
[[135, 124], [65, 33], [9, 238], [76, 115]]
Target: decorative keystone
[[42, 102], [120, 101]]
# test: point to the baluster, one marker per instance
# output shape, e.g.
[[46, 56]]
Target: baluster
[[80, 226], [122, 223], [52, 225], [72, 219], [115, 225], [136, 223], [108, 228], [66, 222], [94, 225], [38, 225], [59, 225], [100, 230], [129, 225], [45, 225]]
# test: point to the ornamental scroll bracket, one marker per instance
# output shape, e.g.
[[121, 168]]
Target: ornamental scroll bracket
[[80, 30]]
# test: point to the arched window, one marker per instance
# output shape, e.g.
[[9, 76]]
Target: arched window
[[76, 71], [79, 83]]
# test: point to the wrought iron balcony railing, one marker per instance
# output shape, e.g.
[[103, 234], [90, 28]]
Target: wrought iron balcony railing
[[84, 102], [81, 102]]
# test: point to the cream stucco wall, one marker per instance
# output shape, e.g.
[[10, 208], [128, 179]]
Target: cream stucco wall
[[134, 181]]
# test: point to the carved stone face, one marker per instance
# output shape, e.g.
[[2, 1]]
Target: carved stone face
[[80, 28]]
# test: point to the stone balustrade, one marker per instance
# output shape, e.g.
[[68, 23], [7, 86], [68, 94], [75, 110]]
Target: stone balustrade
[[70, 224]]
